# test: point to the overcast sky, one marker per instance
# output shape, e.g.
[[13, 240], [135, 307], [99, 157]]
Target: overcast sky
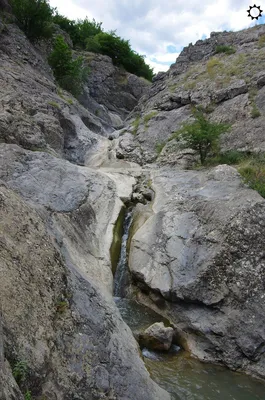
[[160, 29]]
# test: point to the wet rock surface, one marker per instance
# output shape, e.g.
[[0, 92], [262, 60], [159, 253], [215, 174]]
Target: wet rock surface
[[157, 337], [202, 250]]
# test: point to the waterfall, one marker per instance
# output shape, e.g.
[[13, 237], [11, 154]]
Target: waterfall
[[122, 275]]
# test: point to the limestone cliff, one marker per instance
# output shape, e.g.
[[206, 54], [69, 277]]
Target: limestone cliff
[[59, 322], [200, 255], [196, 253], [229, 86]]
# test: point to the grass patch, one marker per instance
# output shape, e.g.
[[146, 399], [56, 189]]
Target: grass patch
[[225, 49], [255, 112], [135, 125], [148, 117], [159, 147], [214, 66], [253, 173], [261, 41], [54, 104], [232, 157]]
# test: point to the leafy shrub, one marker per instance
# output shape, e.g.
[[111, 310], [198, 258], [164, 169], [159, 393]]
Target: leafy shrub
[[69, 73], [89, 35], [20, 371], [27, 395], [225, 49], [34, 17], [201, 135]]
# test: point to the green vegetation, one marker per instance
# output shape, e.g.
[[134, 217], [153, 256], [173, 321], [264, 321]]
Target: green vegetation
[[62, 306], [213, 66], [253, 173], [135, 125], [225, 49], [34, 17], [69, 73], [250, 167], [149, 116], [232, 157], [261, 41], [90, 36], [159, 147], [27, 395], [54, 104], [255, 112], [20, 371], [201, 135]]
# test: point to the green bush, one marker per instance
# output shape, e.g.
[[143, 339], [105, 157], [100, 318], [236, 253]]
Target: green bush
[[89, 35], [201, 135], [27, 395], [34, 17], [221, 48], [69, 73], [20, 371]]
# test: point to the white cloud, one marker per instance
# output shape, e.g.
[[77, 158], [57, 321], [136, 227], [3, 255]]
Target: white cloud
[[152, 25]]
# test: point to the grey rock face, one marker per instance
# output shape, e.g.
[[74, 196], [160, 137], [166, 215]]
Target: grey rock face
[[56, 284], [228, 87], [111, 89], [202, 250], [157, 337]]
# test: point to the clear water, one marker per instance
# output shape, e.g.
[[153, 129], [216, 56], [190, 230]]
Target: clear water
[[186, 378]]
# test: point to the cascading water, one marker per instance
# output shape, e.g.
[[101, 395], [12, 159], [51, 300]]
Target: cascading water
[[122, 276], [182, 376]]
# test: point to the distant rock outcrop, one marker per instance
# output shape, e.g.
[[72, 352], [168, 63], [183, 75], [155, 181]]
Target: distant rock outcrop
[[228, 84]]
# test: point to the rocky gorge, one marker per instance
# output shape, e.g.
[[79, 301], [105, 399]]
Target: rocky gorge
[[69, 169]]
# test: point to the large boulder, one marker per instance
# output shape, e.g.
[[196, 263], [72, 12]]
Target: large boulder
[[157, 337], [202, 250]]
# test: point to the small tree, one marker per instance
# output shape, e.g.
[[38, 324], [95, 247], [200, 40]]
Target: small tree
[[201, 135], [69, 73], [34, 17]]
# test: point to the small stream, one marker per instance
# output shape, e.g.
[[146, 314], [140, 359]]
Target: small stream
[[122, 275], [182, 376]]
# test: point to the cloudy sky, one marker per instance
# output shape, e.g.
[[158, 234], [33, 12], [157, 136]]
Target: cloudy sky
[[160, 29]]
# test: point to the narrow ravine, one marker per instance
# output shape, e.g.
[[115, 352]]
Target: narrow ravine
[[182, 376], [121, 276]]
